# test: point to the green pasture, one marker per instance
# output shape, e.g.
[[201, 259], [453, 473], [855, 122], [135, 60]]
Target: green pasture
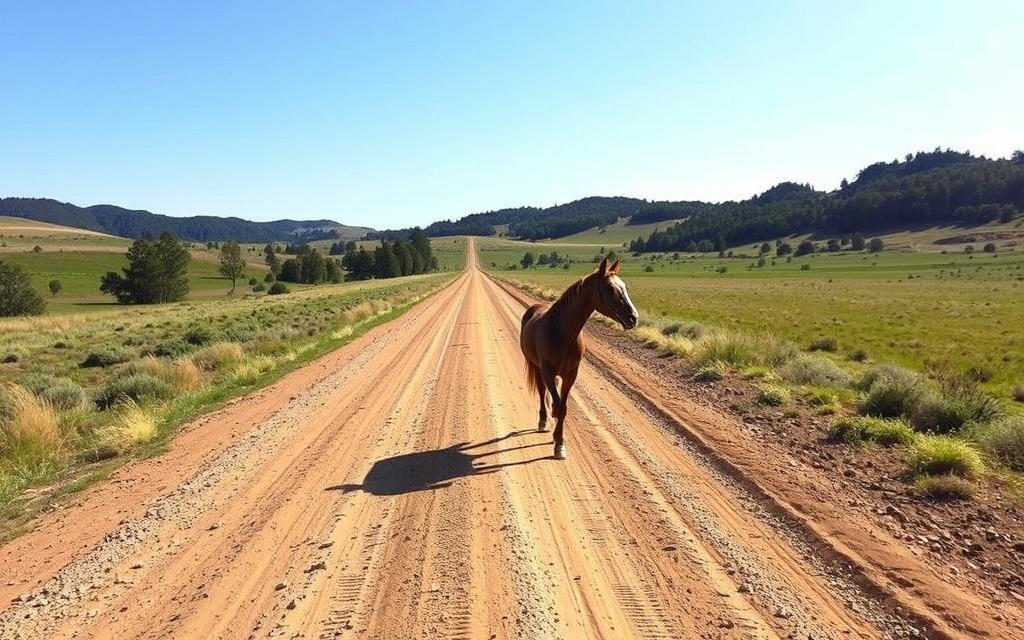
[[928, 311]]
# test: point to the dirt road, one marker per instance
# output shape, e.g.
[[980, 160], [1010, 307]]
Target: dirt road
[[397, 488]]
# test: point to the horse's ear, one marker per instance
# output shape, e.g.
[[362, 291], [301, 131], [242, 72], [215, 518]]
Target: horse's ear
[[602, 269], [614, 270]]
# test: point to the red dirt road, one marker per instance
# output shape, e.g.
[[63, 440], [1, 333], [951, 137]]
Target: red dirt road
[[398, 488]]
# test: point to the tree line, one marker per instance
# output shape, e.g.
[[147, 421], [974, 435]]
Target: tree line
[[938, 187]]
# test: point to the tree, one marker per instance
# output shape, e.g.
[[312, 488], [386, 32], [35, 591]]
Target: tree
[[875, 245], [1017, 157], [290, 271], [333, 270], [420, 240], [232, 264], [806, 247], [857, 242], [17, 297], [765, 248], [270, 257], [833, 245], [55, 287], [990, 247], [404, 258], [157, 272], [385, 261], [359, 265], [783, 249], [312, 268], [527, 260]]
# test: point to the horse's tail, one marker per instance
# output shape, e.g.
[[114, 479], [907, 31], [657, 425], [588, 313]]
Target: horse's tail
[[533, 375]]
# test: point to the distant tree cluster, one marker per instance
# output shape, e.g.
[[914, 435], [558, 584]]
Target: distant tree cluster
[[156, 273], [309, 267], [391, 259], [925, 188]]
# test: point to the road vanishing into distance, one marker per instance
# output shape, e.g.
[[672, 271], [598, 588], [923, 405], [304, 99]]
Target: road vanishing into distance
[[398, 488]]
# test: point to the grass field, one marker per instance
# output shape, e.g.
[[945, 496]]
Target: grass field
[[76, 389], [19, 234], [80, 271], [613, 235], [928, 311]]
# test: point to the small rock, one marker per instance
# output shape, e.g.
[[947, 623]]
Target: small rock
[[280, 585], [317, 566], [291, 604]]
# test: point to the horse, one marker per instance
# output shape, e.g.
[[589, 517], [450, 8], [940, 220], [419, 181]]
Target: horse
[[553, 345]]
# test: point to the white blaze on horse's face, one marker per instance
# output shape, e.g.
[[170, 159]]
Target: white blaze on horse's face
[[627, 315]]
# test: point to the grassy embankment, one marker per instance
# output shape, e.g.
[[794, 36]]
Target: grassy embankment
[[81, 392], [825, 334]]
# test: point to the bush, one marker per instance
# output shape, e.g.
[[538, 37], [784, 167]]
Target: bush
[[135, 387], [277, 288], [711, 372], [772, 396], [781, 353], [19, 298], [63, 394], [824, 344], [171, 349], [1003, 441], [944, 487], [729, 348], [892, 391], [29, 431], [218, 355], [990, 247], [858, 355], [106, 358], [1018, 393], [942, 455], [860, 429], [692, 330], [199, 335], [258, 287], [253, 282], [953, 407], [814, 370]]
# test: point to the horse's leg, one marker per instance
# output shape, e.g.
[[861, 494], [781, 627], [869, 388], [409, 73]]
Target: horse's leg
[[542, 422], [563, 407], [549, 382]]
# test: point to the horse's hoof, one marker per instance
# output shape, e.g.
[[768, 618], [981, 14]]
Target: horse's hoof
[[560, 452]]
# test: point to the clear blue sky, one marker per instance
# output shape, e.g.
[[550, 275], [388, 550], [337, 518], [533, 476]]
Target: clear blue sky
[[392, 114]]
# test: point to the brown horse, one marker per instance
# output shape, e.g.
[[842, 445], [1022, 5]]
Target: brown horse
[[552, 343]]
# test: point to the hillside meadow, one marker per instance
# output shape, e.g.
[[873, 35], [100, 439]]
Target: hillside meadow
[[953, 312], [81, 390]]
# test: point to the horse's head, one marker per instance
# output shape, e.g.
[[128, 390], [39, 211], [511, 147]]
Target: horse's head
[[612, 298]]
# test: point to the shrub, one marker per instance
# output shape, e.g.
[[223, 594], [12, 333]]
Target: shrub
[[172, 349], [944, 487], [258, 287], [779, 353], [29, 431], [692, 330], [881, 430], [891, 391], [822, 398], [131, 425], [941, 455], [19, 298], [814, 370], [859, 355], [990, 247], [825, 343], [12, 356], [106, 357], [199, 335], [729, 348], [711, 372], [1003, 441], [253, 282], [277, 288], [1018, 393], [135, 387], [772, 396], [957, 404], [63, 394], [218, 355]]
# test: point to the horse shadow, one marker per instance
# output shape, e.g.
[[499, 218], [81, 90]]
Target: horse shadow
[[435, 468]]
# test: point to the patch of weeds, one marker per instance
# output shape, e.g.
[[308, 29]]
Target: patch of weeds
[[862, 429], [814, 370], [1003, 441], [772, 396], [824, 343], [944, 488], [135, 387], [711, 372], [106, 358], [942, 455]]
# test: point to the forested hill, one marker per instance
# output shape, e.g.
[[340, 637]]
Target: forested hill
[[138, 223], [938, 187]]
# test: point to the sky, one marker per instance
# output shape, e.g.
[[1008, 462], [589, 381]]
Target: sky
[[390, 114]]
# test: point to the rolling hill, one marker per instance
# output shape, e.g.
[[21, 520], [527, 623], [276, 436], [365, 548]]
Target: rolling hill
[[131, 223]]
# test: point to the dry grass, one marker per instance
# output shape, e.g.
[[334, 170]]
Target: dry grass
[[219, 355], [250, 369], [131, 425], [942, 455], [185, 375], [28, 427]]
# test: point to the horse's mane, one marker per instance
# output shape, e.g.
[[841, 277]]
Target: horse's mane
[[569, 294]]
